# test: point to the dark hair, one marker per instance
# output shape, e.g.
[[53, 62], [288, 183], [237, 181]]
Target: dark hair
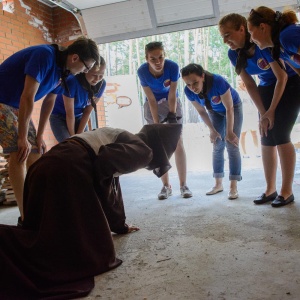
[[153, 46], [102, 61], [207, 82], [92, 90], [98, 64], [192, 69], [85, 48], [236, 21], [277, 20]]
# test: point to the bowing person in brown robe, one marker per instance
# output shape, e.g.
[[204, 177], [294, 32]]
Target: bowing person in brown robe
[[72, 202]]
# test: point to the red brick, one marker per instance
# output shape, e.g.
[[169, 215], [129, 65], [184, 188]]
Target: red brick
[[18, 44], [16, 34], [5, 29], [6, 52], [5, 41], [12, 48]]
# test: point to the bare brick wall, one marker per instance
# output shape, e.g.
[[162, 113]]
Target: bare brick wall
[[101, 114], [65, 26], [34, 23]]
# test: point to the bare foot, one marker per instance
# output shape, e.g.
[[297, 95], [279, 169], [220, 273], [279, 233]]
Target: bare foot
[[132, 228]]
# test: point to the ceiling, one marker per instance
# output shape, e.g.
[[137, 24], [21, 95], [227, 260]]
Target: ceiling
[[84, 4], [113, 20]]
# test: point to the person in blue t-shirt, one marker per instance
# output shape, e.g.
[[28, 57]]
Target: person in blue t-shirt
[[28, 76], [278, 31], [220, 107], [159, 77], [277, 98], [72, 109]]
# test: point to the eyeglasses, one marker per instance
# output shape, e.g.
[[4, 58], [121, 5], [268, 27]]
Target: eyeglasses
[[87, 68], [254, 12]]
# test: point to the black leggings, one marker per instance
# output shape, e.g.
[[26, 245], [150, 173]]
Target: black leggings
[[286, 112]]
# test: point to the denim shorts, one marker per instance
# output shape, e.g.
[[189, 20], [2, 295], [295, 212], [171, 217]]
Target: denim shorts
[[9, 130], [163, 110], [59, 127]]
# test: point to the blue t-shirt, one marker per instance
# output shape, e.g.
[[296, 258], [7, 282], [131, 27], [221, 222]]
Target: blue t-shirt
[[159, 86], [77, 92], [219, 87], [290, 42], [259, 64], [38, 62]]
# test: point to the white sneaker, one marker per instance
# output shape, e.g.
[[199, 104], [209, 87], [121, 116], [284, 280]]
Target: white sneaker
[[165, 193], [185, 192], [214, 190], [233, 195]]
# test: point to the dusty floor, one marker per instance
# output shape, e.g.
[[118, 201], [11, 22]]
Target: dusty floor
[[205, 247]]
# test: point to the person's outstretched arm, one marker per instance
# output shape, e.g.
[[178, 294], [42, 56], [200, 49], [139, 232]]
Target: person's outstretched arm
[[127, 154], [25, 111]]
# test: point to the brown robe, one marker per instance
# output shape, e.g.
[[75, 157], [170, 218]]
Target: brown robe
[[72, 202]]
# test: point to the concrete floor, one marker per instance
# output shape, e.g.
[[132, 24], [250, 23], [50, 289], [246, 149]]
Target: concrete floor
[[205, 247]]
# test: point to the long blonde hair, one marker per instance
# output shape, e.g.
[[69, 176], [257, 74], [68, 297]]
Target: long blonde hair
[[263, 14], [235, 21]]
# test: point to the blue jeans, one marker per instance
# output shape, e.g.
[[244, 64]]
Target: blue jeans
[[59, 126], [218, 120]]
